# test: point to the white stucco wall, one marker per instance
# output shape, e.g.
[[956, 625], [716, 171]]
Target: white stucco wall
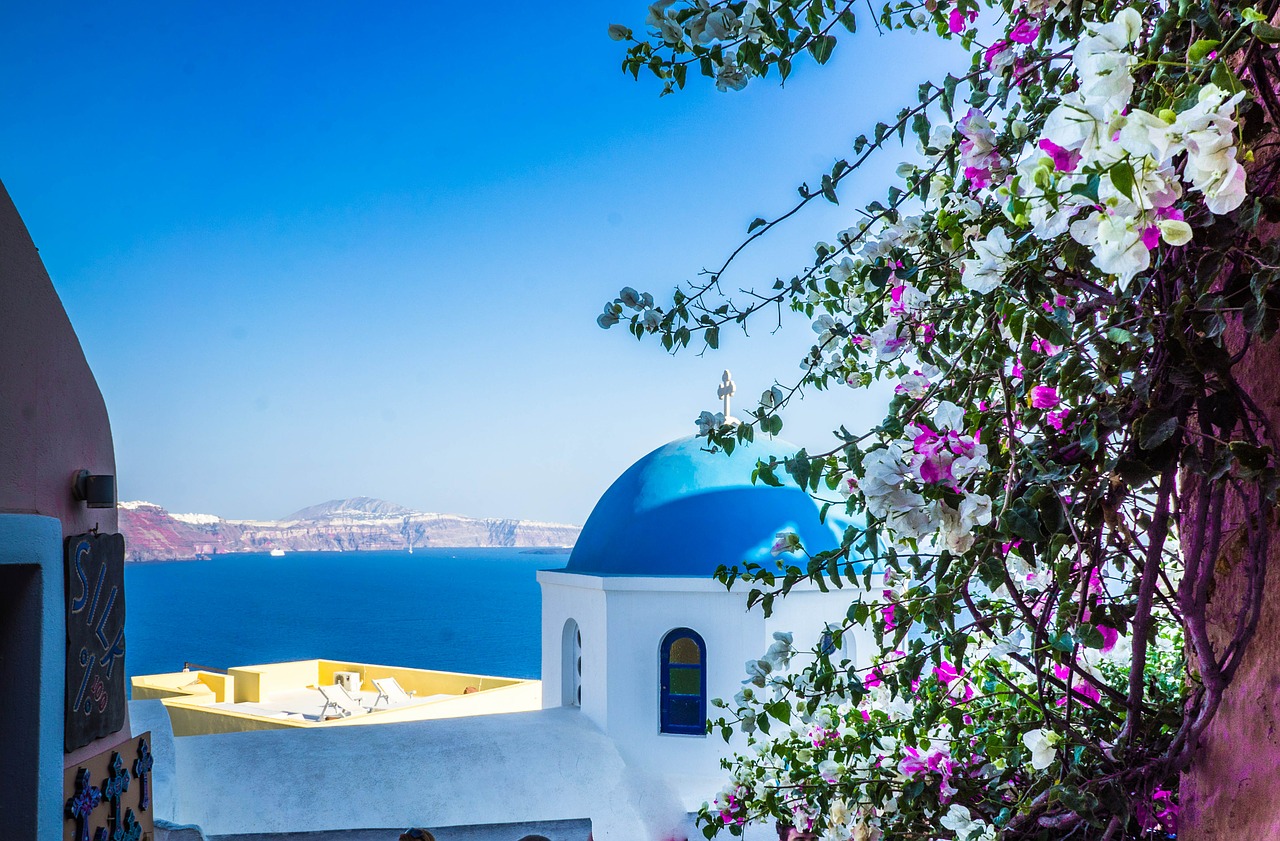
[[519, 767], [624, 620]]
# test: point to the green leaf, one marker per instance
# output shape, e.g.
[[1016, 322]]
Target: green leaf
[[1122, 177], [1201, 49], [848, 21], [1089, 189], [679, 72], [1090, 636], [1021, 520], [1156, 427], [821, 48], [1266, 33], [712, 336], [755, 223], [829, 189], [1224, 78]]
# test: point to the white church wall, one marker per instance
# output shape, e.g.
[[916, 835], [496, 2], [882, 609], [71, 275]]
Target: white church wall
[[639, 619], [564, 597], [806, 612]]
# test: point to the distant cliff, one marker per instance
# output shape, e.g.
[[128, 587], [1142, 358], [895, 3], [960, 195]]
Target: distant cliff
[[341, 525]]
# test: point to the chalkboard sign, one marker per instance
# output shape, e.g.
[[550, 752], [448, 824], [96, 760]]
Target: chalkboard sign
[[95, 637]]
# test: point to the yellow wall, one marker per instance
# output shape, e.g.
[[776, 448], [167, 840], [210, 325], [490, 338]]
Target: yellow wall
[[197, 687], [187, 695], [255, 683], [422, 682]]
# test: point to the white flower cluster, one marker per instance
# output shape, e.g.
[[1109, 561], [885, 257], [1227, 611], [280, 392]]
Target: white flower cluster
[[942, 455], [1095, 136]]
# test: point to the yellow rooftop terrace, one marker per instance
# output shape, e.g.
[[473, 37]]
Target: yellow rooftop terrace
[[326, 693]]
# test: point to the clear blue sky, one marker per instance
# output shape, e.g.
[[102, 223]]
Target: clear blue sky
[[352, 249]]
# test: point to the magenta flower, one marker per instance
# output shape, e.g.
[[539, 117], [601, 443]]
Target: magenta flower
[[1082, 691], [959, 21], [1150, 237], [1044, 397], [945, 673], [1064, 160], [1057, 419], [1110, 636], [1025, 32], [995, 50], [979, 177]]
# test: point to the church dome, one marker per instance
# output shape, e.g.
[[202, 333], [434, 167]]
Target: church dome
[[683, 511]]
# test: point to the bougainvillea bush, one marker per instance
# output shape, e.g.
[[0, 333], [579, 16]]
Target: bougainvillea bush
[[1061, 290]]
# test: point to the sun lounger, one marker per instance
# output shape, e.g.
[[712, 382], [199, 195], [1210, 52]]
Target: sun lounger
[[389, 690], [337, 697]]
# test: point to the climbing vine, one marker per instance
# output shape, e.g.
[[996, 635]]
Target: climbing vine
[[1063, 289]]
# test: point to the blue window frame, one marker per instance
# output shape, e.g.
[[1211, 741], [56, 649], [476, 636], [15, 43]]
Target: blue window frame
[[683, 679]]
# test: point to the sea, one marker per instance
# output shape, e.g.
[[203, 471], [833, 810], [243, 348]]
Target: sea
[[460, 610]]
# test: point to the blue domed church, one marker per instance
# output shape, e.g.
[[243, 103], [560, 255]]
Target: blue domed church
[[638, 636]]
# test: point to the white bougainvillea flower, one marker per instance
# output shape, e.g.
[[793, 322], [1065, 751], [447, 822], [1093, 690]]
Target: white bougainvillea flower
[[1042, 744], [985, 272]]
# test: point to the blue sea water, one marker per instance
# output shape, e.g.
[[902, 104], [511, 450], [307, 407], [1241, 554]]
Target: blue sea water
[[462, 610]]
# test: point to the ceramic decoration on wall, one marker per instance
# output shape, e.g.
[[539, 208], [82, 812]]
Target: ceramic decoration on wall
[[108, 797], [95, 637]]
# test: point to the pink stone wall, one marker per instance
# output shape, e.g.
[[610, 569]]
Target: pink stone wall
[[53, 421], [1233, 787]]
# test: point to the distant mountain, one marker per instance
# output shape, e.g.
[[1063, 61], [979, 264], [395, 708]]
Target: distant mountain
[[358, 507], [342, 525]]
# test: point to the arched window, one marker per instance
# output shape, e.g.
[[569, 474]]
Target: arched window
[[683, 700], [571, 665], [846, 650]]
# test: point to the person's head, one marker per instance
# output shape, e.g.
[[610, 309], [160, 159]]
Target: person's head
[[416, 834]]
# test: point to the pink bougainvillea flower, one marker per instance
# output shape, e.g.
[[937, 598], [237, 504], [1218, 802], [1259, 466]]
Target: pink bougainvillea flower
[[1057, 419], [995, 51], [1017, 370], [1080, 689], [1026, 32], [958, 21], [1005, 548], [945, 673], [1058, 300], [1043, 346], [1043, 397], [1110, 636], [1064, 160], [927, 333], [887, 613], [1150, 237], [978, 177]]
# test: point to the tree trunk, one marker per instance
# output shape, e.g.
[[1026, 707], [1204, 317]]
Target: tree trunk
[[1232, 789]]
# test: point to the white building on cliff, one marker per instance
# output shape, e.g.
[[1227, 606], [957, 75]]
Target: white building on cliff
[[637, 638]]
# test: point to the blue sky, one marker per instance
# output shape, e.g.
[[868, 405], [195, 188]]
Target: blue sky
[[349, 249]]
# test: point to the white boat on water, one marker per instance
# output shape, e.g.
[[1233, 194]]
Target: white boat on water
[[277, 553]]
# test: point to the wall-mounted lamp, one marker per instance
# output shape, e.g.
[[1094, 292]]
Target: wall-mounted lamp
[[94, 491]]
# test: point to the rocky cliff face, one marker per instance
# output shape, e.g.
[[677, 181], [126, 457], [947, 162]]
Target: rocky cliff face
[[348, 525]]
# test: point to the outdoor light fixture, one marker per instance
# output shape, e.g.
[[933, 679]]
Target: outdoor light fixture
[[94, 491]]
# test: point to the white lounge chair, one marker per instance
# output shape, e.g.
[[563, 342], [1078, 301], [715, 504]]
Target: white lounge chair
[[337, 697], [389, 690]]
